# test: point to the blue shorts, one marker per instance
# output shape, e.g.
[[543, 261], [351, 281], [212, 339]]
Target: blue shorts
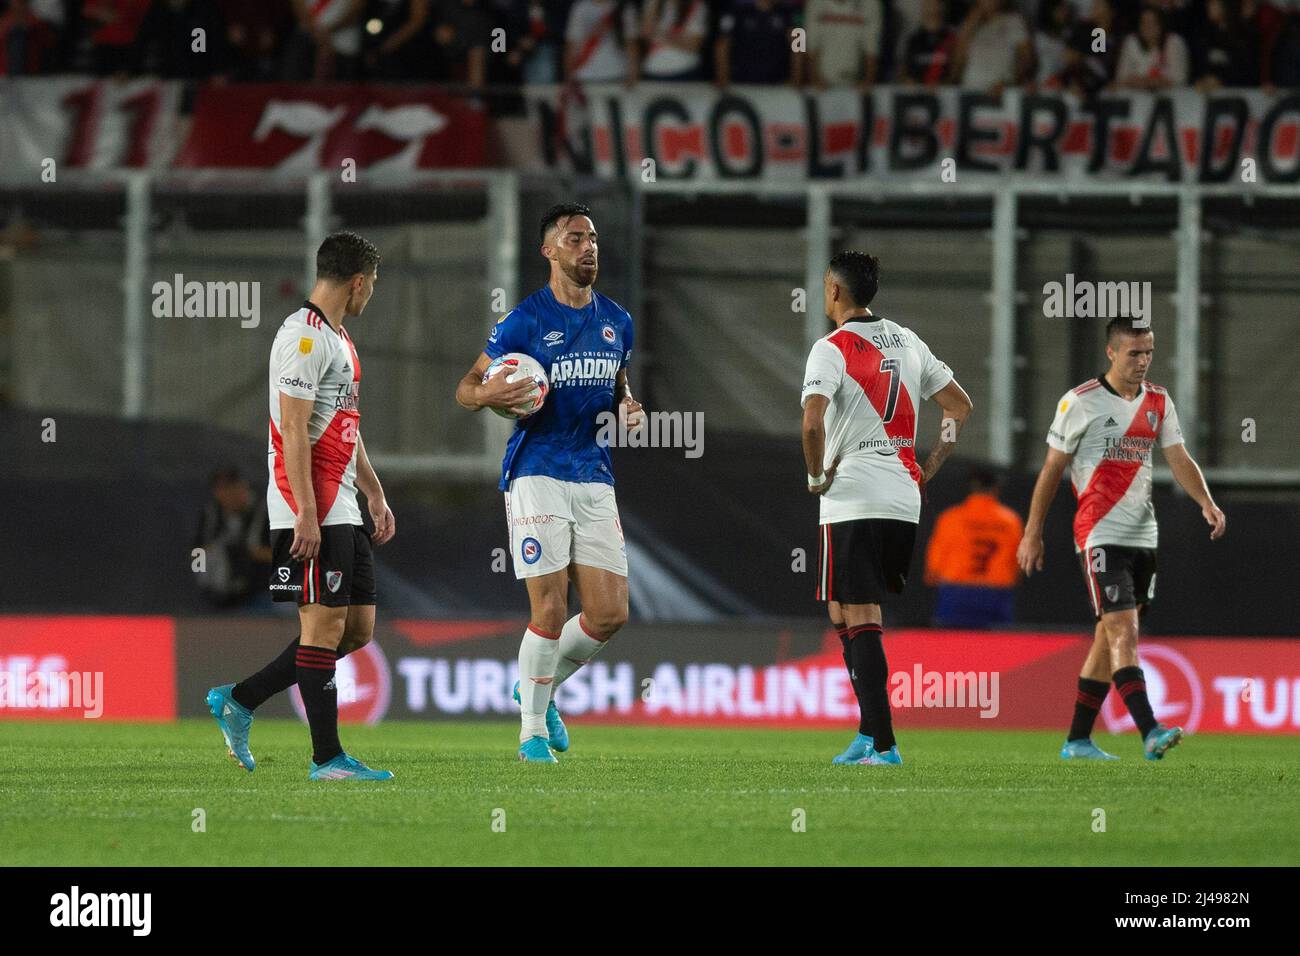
[[974, 607]]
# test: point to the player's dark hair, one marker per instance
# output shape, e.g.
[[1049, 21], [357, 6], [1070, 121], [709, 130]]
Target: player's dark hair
[[1123, 325], [562, 210], [343, 254], [859, 273], [224, 475], [984, 478]]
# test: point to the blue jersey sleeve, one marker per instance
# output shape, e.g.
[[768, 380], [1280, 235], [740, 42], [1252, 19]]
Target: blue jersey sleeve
[[512, 333]]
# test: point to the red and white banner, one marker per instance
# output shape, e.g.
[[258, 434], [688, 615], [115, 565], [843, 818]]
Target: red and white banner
[[746, 676], [750, 674], [943, 135], [75, 123], [87, 668], [294, 128]]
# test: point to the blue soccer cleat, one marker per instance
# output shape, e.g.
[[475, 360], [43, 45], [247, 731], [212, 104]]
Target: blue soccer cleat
[[234, 719], [559, 735], [861, 746], [346, 767], [875, 758], [536, 750], [1160, 739], [1084, 749]]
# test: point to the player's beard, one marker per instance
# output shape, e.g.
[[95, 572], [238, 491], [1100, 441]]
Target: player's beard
[[579, 274]]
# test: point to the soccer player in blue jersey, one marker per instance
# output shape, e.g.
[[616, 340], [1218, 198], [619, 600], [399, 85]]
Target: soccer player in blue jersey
[[559, 488]]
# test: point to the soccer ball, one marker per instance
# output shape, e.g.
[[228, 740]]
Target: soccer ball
[[519, 366]]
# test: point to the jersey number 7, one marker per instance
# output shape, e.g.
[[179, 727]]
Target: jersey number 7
[[891, 367]]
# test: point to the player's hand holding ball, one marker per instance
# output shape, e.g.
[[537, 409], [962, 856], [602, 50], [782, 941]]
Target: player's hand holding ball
[[520, 391]]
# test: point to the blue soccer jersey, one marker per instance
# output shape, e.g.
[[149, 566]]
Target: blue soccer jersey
[[582, 351]]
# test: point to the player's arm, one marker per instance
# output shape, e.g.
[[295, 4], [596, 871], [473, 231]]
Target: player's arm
[[1030, 553], [295, 413], [1188, 474], [473, 393], [368, 484], [814, 443], [956, 407], [632, 411]]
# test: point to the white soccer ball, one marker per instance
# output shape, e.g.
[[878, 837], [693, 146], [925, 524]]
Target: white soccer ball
[[518, 367]]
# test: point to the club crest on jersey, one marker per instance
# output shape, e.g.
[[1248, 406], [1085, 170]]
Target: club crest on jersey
[[332, 580], [1152, 420], [530, 550], [607, 333], [552, 339], [1112, 593]]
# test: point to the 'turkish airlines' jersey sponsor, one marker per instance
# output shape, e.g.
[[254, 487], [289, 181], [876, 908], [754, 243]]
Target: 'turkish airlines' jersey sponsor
[[876, 373], [310, 360], [1111, 439]]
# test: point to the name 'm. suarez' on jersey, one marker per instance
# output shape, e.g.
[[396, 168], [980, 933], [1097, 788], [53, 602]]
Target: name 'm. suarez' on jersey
[[583, 351]]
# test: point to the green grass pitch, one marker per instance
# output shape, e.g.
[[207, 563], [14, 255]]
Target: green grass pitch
[[104, 794]]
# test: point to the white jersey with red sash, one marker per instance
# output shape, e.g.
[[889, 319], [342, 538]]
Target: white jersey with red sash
[[1111, 439], [309, 360], [876, 373]]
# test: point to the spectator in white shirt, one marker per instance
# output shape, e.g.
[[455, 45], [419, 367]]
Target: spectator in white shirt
[[674, 33], [1153, 58], [844, 41], [601, 42], [994, 49]]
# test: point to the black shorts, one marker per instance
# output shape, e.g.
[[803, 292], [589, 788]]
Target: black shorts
[[1119, 578], [341, 574], [865, 560]]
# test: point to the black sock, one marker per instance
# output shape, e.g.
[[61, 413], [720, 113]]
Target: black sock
[[280, 674], [868, 656], [1086, 704], [842, 631], [1133, 689], [320, 699]]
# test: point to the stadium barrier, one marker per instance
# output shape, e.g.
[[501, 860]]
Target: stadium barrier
[[774, 673]]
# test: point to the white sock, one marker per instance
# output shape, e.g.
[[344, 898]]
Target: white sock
[[576, 648], [537, 657]]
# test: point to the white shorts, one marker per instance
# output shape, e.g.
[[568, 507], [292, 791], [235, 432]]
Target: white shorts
[[556, 523]]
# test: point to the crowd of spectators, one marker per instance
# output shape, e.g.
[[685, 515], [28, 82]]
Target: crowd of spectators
[[1083, 46]]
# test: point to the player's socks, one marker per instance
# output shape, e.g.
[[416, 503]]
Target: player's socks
[[1132, 688], [320, 698], [867, 653], [842, 632], [577, 646], [864, 726], [280, 674], [538, 655], [1087, 702]]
